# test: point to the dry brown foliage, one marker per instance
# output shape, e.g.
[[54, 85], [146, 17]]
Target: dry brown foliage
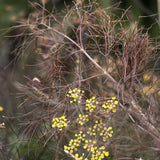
[[92, 49]]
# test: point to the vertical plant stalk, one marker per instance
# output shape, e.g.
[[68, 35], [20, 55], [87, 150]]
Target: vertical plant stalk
[[79, 8], [158, 8], [2, 152]]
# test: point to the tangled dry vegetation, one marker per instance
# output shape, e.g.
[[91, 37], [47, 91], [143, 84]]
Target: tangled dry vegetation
[[88, 61]]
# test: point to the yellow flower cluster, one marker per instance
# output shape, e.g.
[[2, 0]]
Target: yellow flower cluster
[[110, 105], [91, 104], [147, 77], [82, 119], [74, 144], [148, 90], [100, 129], [89, 143], [76, 95], [59, 122], [97, 153], [1, 108]]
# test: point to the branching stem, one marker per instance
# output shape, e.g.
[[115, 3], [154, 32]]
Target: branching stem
[[87, 55]]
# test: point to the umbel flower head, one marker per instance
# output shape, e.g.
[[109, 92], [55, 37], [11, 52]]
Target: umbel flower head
[[82, 119], [91, 104], [59, 122], [76, 95], [110, 105]]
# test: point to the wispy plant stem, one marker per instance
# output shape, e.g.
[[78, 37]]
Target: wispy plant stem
[[87, 55]]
